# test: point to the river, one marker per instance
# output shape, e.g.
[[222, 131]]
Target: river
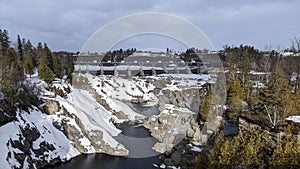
[[134, 137]]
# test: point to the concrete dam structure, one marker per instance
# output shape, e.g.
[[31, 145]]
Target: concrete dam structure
[[138, 64]]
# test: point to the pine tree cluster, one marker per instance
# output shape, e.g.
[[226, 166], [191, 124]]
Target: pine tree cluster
[[24, 59], [254, 149]]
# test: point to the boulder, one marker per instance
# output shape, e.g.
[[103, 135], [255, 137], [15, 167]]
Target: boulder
[[51, 106]]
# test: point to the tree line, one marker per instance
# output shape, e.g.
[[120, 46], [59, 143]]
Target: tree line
[[117, 55]]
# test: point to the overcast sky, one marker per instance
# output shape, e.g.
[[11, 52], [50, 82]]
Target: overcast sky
[[67, 24]]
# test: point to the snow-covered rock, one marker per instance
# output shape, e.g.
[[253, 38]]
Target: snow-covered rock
[[171, 126], [93, 123], [295, 119], [179, 101], [162, 166], [112, 91], [33, 142], [197, 149]]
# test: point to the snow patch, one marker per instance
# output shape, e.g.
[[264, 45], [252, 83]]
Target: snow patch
[[295, 119], [162, 165], [87, 145], [197, 149]]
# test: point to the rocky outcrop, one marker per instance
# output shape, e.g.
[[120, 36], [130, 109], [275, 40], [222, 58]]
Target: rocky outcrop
[[77, 132], [183, 154], [50, 134], [178, 118], [189, 98], [211, 126], [171, 126], [29, 154], [51, 106]]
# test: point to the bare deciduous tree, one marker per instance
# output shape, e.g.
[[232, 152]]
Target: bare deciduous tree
[[273, 115], [295, 44]]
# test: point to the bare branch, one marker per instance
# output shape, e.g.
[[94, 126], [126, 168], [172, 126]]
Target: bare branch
[[297, 42], [272, 115]]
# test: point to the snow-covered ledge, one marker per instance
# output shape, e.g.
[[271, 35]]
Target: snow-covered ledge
[[295, 119]]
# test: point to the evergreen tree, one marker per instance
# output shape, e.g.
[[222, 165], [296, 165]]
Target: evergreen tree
[[244, 75], [4, 41], [205, 106], [231, 61], [11, 69], [227, 155], [29, 49], [40, 53], [49, 59], [20, 48], [45, 73], [10, 90], [235, 96], [276, 161], [247, 150], [57, 67], [287, 152], [276, 97], [68, 67], [29, 63], [253, 151], [2, 69], [295, 104], [216, 151]]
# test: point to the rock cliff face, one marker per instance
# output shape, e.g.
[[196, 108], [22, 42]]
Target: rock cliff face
[[171, 126], [178, 118], [77, 133], [179, 106]]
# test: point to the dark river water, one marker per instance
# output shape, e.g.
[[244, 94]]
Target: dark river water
[[135, 138], [103, 161]]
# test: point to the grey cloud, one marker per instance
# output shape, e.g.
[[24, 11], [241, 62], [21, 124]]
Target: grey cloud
[[67, 24], [234, 22], [141, 23]]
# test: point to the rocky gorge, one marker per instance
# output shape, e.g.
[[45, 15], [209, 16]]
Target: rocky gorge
[[83, 121]]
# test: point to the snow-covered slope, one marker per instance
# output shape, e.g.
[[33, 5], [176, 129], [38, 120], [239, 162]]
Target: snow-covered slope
[[13, 144], [113, 92], [126, 89], [93, 117]]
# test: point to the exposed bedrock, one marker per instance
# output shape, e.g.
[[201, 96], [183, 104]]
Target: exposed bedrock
[[177, 119]]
